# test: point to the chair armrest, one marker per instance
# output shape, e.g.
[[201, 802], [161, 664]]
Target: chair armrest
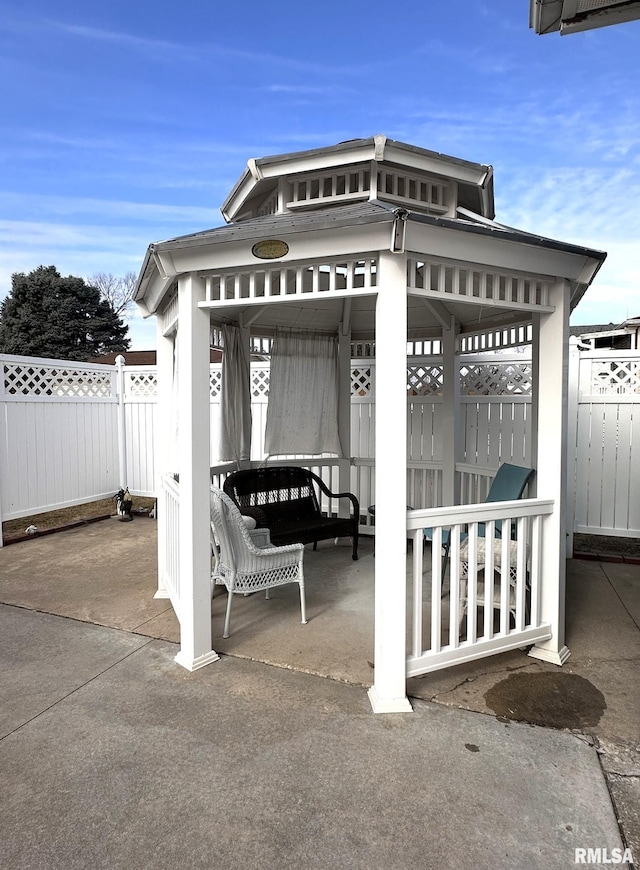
[[325, 489], [261, 538]]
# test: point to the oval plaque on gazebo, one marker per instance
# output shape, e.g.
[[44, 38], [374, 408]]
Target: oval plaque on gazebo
[[270, 249]]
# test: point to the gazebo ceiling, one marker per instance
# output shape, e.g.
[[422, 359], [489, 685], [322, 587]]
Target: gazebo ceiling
[[326, 315]]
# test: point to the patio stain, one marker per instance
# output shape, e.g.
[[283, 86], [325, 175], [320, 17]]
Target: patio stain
[[554, 700]]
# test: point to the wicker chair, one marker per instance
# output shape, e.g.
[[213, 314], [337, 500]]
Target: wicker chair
[[241, 565], [489, 589]]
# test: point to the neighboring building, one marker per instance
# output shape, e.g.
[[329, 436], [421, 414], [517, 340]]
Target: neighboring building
[[573, 16], [625, 336], [143, 357]]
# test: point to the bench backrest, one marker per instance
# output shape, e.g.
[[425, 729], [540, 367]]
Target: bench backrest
[[286, 493]]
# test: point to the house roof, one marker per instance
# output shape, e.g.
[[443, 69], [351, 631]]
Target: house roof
[[572, 16], [592, 329], [143, 357]]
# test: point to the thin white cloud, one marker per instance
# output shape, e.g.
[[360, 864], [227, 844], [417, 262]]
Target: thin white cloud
[[164, 50], [117, 37], [150, 212]]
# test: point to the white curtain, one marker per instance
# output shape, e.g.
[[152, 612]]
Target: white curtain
[[302, 414], [235, 396]]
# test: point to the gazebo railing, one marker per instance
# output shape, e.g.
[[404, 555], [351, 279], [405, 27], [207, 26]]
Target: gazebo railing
[[219, 473], [327, 469], [444, 624], [424, 482], [475, 482]]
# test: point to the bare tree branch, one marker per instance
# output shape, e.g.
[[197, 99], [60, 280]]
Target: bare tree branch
[[117, 290]]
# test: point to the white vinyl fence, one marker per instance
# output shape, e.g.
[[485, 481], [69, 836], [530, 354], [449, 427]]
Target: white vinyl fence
[[604, 409], [74, 432]]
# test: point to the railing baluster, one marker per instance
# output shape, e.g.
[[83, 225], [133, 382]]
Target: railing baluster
[[454, 587], [521, 573], [436, 589], [535, 576], [490, 536], [417, 593], [505, 581]]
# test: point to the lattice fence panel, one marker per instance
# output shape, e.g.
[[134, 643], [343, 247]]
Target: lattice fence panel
[[215, 383], [361, 381], [21, 379], [141, 385], [425, 379], [260, 383], [614, 377], [499, 379]]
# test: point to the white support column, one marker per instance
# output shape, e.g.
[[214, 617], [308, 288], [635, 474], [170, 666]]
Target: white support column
[[193, 455], [3, 440], [535, 398], [161, 439], [572, 440], [450, 416], [389, 692], [122, 430], [552, 377], [344, 406]]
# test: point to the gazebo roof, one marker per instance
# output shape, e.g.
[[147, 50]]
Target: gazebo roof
[[473, 181], [339, 208], [205, 250]]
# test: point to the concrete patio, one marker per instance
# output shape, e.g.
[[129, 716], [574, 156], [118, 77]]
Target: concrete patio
[[59, 675]]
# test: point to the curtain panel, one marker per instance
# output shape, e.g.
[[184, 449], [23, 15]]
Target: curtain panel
[[235, 396], [302, 414]]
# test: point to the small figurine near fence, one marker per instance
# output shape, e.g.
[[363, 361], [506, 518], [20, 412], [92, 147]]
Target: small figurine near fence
[[124, 503]]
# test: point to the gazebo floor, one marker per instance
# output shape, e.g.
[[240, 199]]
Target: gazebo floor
[[105, 573]]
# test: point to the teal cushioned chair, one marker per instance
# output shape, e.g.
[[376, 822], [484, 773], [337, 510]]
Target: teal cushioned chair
[[508, 485]]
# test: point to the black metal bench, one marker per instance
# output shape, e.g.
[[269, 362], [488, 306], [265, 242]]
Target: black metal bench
[[284, 499]]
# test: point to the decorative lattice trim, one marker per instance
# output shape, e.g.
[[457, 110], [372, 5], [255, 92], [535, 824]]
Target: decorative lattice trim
[[292, 280], [260, 383], [497, 339], [40, 380], [361, 381], [429, 194], [500, 379], [169, 315], [322, 188], [615, 377], [471, 282], [425, 380], [142, 385], [215, 383]]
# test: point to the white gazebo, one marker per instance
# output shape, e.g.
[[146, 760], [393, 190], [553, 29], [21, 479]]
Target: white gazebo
[[374, 240]]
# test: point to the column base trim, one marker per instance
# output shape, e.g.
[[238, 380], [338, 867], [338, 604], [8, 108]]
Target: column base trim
[[548, 655], [388, 705], [190, 664]]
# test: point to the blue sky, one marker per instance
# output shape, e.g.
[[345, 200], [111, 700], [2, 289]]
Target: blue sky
[[128, 122]]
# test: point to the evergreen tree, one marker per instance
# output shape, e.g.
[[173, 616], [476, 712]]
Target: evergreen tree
[[48, 315]]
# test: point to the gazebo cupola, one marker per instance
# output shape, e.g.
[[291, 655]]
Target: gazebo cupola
[[356, 171], [370, 240]]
